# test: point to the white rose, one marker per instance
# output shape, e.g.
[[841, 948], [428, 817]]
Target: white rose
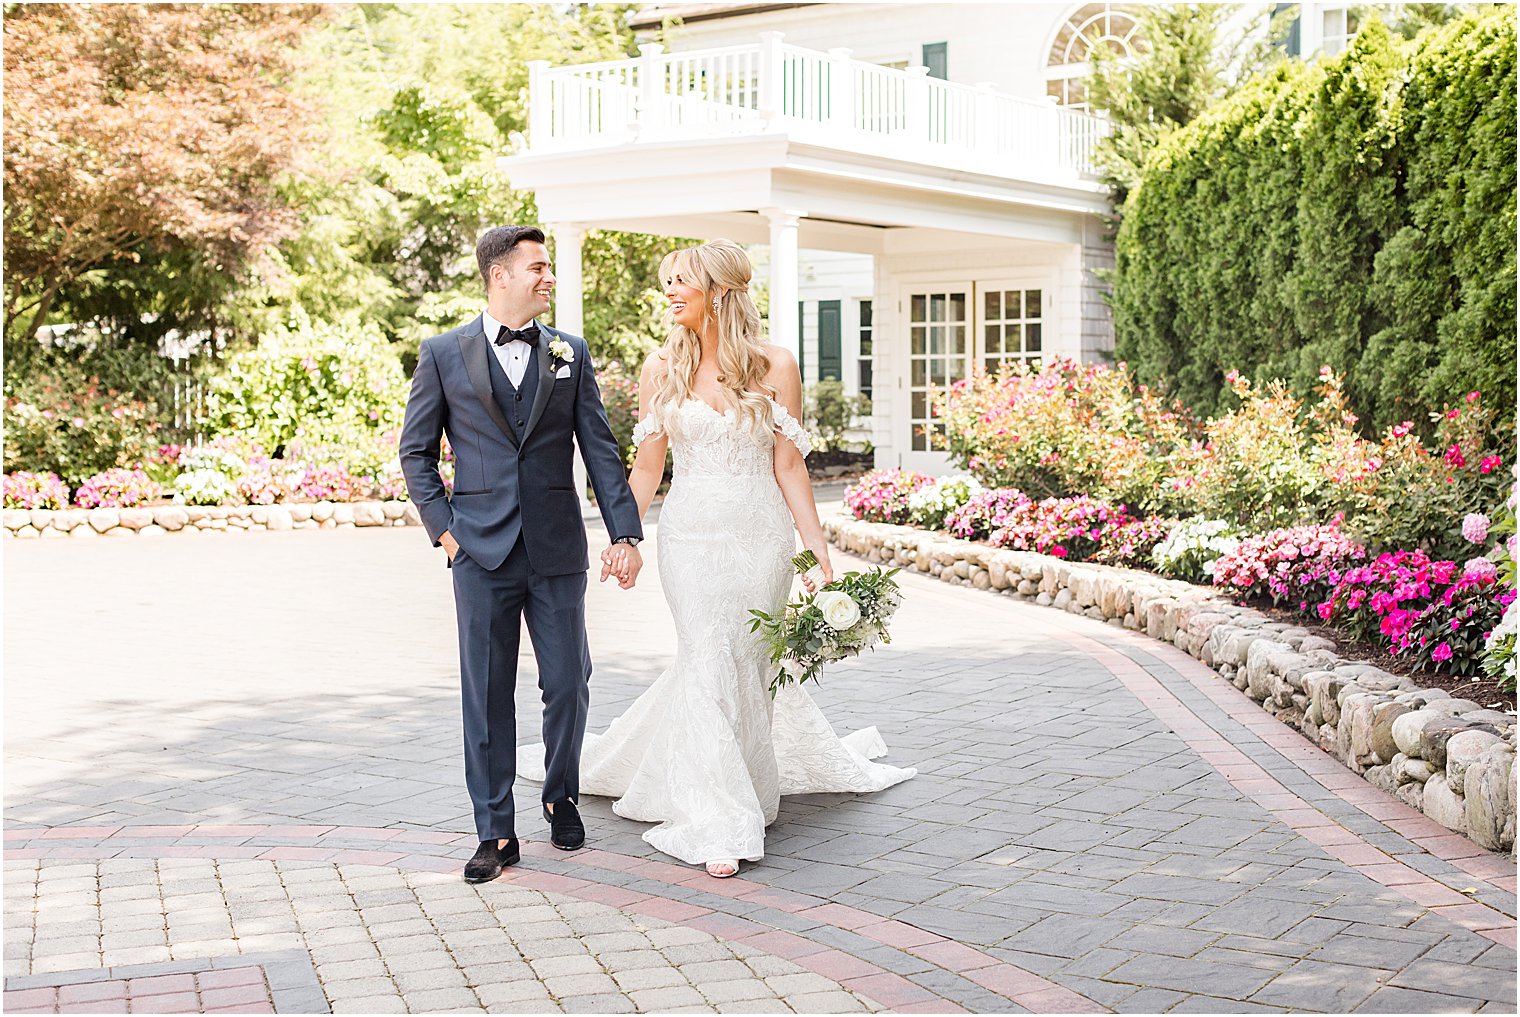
[[839, 611]]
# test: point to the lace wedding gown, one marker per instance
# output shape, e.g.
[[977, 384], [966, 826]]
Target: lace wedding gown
[[706, 752]]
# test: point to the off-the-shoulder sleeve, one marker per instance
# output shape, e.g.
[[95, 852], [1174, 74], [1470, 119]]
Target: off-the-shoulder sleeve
[[790, 429], [647, 427]]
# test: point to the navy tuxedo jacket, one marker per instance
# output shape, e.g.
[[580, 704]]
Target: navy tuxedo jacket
[[513, 475]]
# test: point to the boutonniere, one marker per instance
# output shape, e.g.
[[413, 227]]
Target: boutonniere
[[561, 351]]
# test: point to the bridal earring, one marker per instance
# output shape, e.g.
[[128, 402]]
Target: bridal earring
[[716, 301]]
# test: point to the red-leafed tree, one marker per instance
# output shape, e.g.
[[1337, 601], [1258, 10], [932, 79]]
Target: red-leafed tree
[[144, 131]]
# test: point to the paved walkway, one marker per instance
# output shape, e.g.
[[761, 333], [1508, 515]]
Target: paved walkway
[[233, 782]]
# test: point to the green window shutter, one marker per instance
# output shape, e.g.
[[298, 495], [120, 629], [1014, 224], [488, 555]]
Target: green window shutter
[[830, 345]]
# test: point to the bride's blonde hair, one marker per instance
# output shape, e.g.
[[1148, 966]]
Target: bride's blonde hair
[[722, 271]]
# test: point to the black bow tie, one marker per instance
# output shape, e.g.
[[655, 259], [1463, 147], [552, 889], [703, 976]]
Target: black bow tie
[[528, 335]]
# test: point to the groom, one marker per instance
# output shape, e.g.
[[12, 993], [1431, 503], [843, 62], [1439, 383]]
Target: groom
[[511, 394]]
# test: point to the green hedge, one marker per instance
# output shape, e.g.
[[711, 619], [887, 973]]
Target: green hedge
[[1358, 211]]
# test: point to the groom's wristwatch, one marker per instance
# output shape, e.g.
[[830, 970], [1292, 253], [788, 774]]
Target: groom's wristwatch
[[630, 541]]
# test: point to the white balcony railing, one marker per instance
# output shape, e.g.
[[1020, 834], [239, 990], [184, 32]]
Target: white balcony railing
[[827, 98]]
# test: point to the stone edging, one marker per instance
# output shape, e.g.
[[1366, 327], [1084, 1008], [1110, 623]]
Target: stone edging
[[1449, 758], [53, 524]]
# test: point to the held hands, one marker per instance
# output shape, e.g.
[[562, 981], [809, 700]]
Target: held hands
[[825, 565], [623, 562]]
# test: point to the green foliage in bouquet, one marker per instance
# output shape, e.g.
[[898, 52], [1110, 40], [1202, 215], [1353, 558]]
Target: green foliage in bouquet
[[845, 618]]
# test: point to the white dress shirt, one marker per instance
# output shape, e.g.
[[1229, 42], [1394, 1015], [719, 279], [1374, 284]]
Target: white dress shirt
[[515, 356]]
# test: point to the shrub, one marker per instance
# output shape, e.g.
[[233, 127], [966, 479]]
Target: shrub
[[1295, 565], [984, 512], [1064, 527], [829, 413], [333, 483], [73, 427], [25, 490], [1449, 635], [209, 474], [1063, 429], [1131, 542], [929, 505], [116, 488], [620, 398], [1358, 210], [882, 496], [265, 481], [329, 385], [1191, 548]]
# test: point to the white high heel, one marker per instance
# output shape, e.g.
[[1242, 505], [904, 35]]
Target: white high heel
[[715, 867]]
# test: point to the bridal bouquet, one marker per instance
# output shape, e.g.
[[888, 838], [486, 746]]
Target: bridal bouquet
[[842, 619]]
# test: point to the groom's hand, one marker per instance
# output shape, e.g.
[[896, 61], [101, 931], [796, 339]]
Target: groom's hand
[[449, 544]]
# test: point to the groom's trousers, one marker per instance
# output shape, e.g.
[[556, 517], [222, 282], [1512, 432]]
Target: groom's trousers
[[491, 604]]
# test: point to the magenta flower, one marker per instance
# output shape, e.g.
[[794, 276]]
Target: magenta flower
[[1441, 652]]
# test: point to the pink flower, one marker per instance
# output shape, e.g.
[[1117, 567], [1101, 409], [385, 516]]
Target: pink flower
[[1472, 397], [1480, 570], [1475, 527], [1402, 429], [1454, 456], [1489, 464], [1441, 652]]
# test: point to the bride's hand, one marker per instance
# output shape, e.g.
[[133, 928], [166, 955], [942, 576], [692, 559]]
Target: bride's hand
[[828, 571]]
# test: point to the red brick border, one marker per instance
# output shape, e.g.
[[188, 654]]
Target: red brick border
[[1302, 816], [436, 852]]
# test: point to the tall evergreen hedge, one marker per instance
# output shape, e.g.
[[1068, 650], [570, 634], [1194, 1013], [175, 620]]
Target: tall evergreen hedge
[[1358, 211]]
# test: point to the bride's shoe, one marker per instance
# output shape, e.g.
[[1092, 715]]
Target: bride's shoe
[[722, 868]]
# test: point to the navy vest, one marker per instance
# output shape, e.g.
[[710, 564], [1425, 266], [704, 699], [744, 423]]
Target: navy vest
[[516, 403]]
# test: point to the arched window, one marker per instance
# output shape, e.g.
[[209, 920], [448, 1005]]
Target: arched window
[[1090, 26]]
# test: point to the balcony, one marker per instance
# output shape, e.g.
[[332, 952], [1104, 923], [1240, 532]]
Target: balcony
[[817, 98]]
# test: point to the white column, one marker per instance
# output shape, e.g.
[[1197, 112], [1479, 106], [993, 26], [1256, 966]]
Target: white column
[[569, 314], [784, 267]]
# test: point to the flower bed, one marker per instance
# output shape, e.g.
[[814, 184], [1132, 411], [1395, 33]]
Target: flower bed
[[1449, 757]]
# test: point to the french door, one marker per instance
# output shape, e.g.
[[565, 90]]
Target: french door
[[952, 329]]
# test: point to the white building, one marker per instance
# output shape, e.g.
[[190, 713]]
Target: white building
[[921, 176]]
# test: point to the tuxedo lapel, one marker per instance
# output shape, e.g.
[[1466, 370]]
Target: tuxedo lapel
[[545, 379], [472, 346]]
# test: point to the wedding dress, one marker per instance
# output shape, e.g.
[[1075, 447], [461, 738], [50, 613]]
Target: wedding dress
[[705, 751]]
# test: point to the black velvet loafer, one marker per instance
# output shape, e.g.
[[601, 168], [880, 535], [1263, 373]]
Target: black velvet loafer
[[490, 859], [566, 831]]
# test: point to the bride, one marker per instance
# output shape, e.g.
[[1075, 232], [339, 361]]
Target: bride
[[706, 752]]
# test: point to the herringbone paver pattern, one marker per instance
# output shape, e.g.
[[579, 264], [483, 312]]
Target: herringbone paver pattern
[[302, 684]]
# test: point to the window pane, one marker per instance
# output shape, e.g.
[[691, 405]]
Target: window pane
[[936, 339], [957, 369], [993, 363], [957, 307], [1012, 297], [993, 305], [919, 443], [865, 345], [994, 339], [1014, 335], [865, 314], [920, 374], [1031, 303], [958, 340], [918, 308], [920, 405], [937, 307], [937, 371], [917, 344], [1032, 338], [865, 378]]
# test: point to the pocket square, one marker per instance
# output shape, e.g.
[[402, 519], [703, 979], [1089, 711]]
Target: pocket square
[[563, 372]]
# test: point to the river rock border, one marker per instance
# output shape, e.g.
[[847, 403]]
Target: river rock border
[[1449, 758], [53, 524]]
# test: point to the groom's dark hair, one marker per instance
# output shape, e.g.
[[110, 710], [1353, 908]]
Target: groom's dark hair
[[497, 244]]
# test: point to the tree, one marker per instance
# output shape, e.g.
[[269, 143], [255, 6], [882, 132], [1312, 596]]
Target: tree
[[145, 135], [1189, 56]]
